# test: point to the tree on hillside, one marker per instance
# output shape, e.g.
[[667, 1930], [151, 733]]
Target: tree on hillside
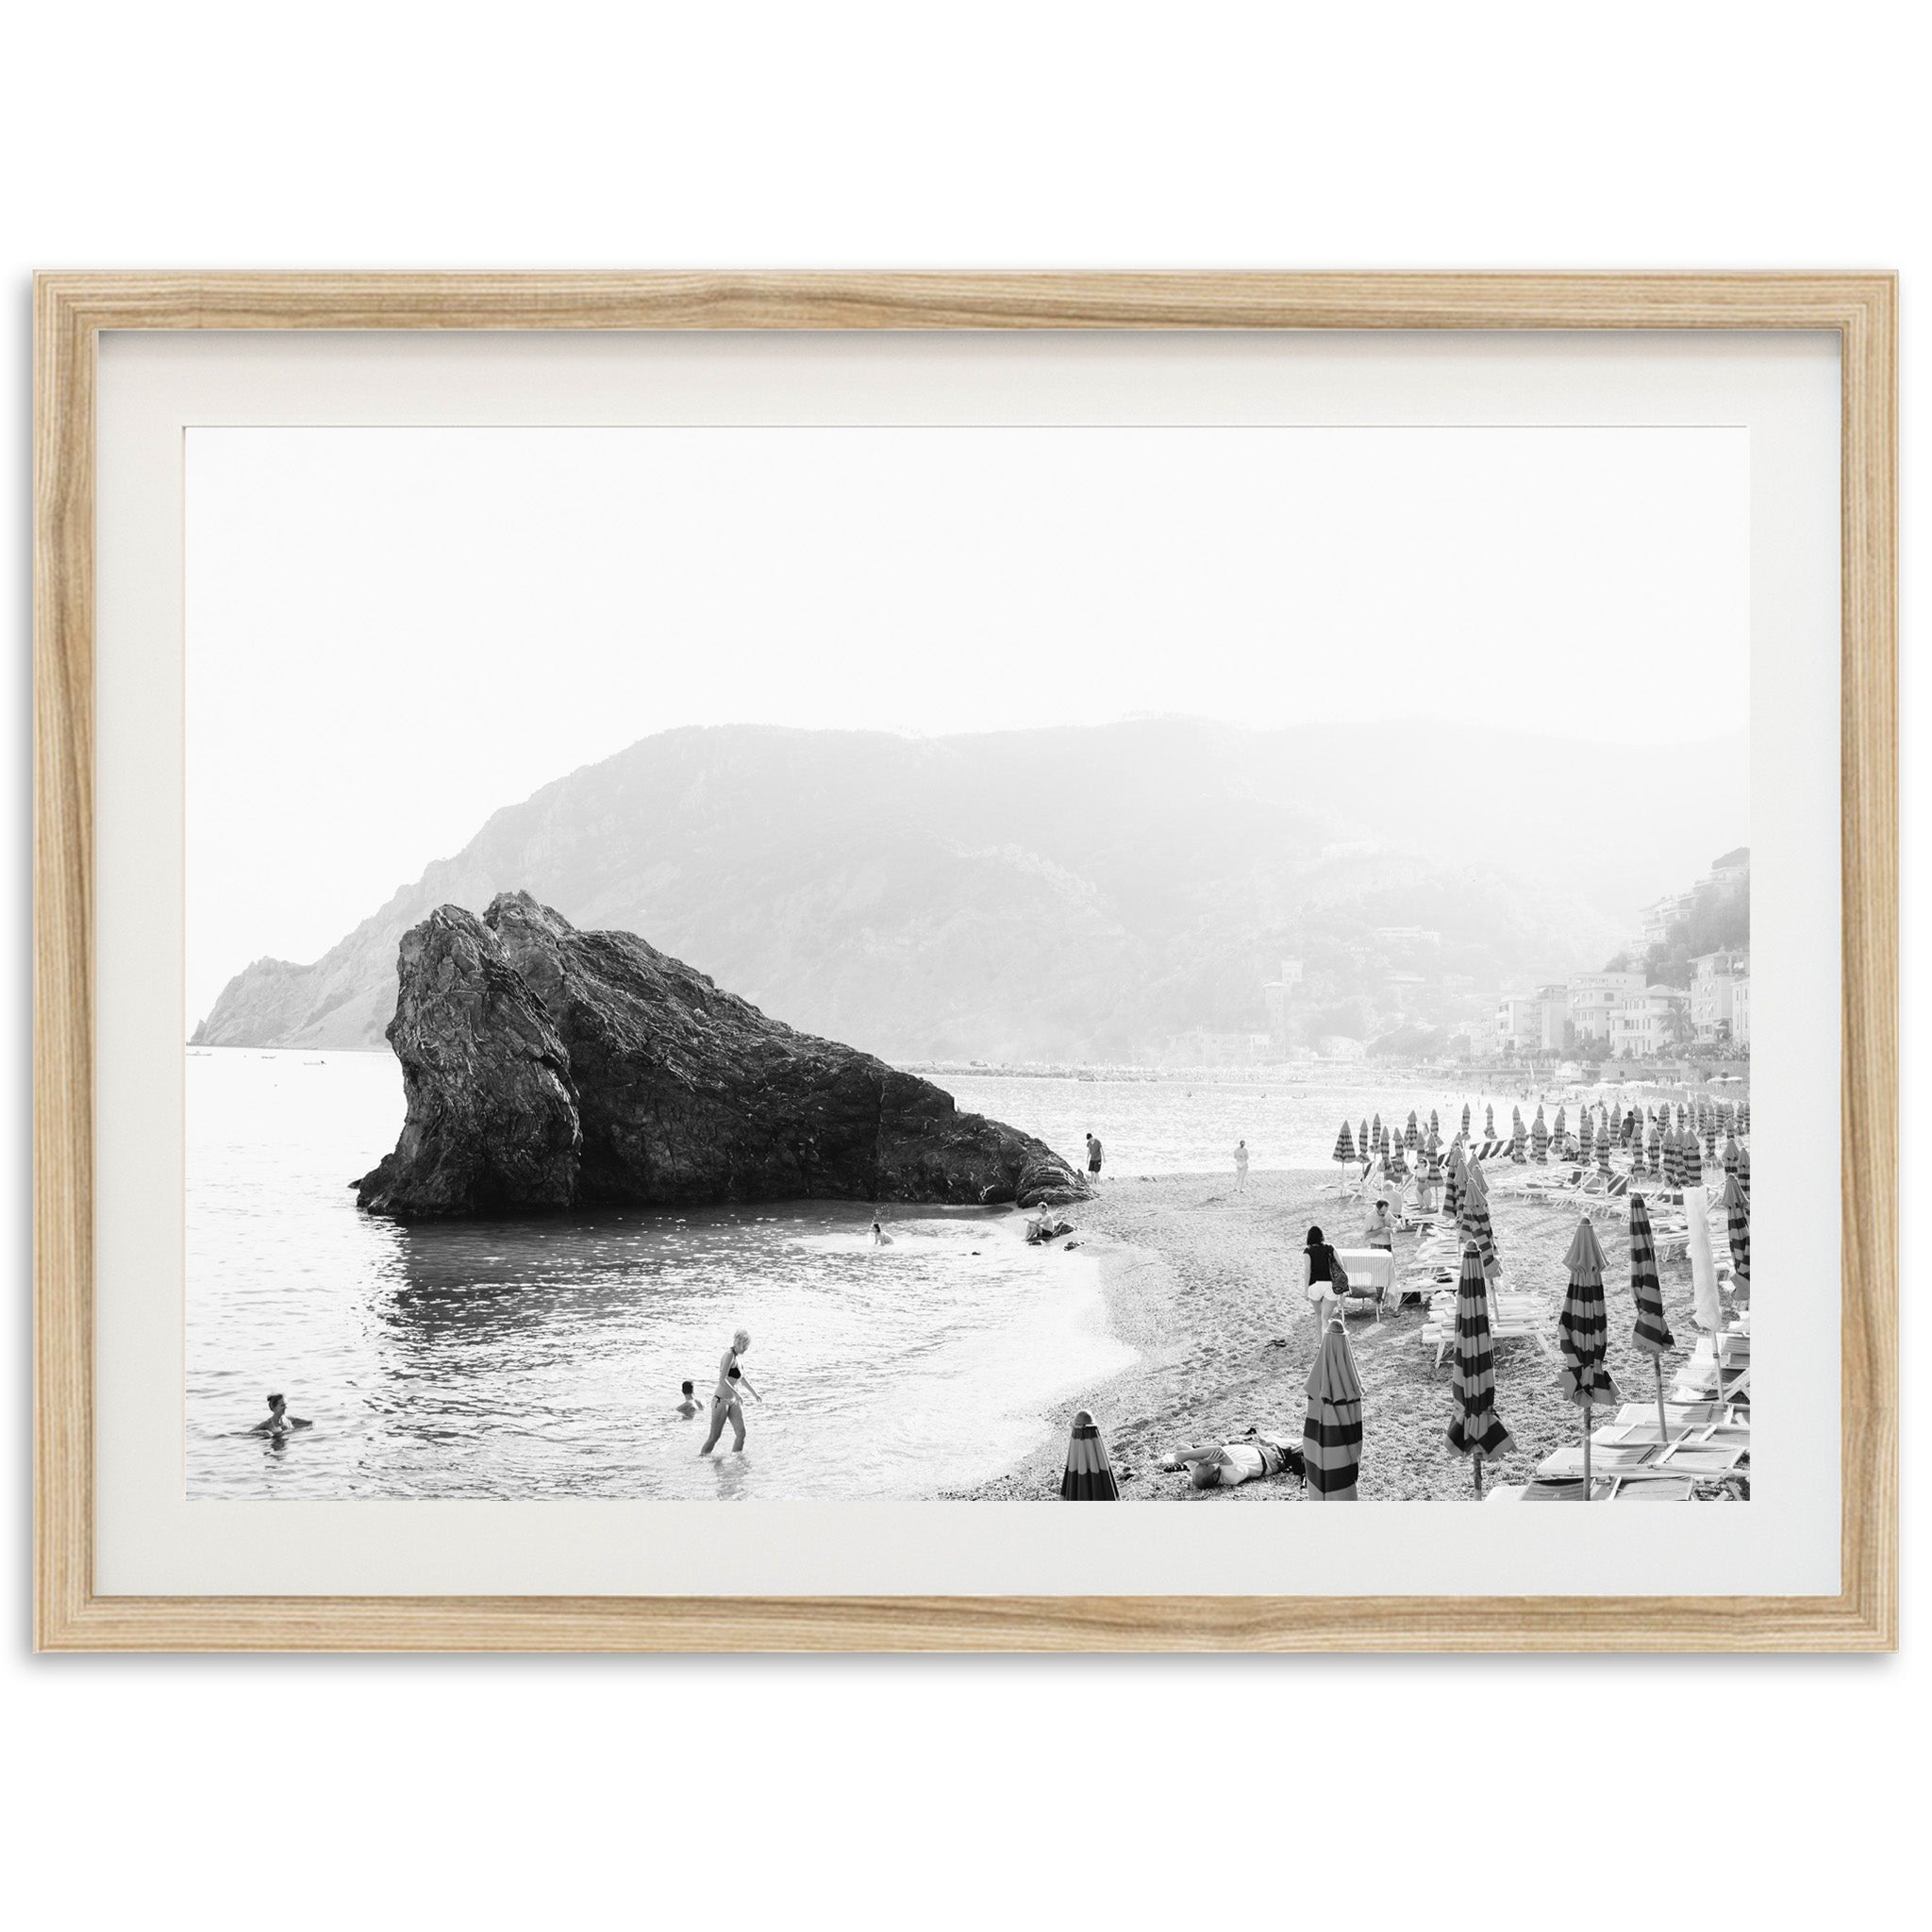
[[1714, 921]]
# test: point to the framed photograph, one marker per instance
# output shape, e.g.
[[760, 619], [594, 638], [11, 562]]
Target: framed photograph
[[704, 942]]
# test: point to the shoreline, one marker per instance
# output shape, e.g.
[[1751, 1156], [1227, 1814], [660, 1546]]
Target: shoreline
[[1205, 1285]]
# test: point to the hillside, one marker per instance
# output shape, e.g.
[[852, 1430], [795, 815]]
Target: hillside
[[1059, 894]]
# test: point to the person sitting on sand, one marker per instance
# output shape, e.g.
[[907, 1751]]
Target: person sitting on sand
[[1327, 1278], [688, 1407], [880, 1238], [725, 1405], [278, 1421], [1241, 1167]]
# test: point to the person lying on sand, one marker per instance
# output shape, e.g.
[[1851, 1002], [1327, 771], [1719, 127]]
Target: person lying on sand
[[278, 1421], [1228, 1465], [688, 1407]]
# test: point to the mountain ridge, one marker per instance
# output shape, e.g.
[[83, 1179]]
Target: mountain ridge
[[1065, 891]]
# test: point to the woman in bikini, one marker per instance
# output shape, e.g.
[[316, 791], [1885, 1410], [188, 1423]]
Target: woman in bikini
[[725, 1405]]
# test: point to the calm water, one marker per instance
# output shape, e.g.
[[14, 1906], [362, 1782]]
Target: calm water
[[542, 1357]]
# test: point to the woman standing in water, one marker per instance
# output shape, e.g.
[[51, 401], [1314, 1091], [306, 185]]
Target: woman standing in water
[[725, 1405]]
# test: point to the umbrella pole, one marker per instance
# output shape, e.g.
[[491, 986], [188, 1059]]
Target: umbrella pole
[[1477, 1460], [1586, 1452], [1663, 1427]]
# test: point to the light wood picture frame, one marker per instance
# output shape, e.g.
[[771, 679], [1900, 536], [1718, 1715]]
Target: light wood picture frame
[[73, 310]]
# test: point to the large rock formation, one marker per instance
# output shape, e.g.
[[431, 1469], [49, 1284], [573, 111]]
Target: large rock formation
[[544, 1066]]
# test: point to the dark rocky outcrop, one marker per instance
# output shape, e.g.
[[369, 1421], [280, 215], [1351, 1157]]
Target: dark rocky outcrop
[[545, 1066], [491, 1126]]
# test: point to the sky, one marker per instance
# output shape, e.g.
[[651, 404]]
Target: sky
[[392, 632]]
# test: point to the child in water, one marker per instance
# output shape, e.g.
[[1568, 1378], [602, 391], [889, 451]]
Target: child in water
[[688, 1407]]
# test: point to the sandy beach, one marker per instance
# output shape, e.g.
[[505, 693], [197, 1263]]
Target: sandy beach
[[1206, 1284]]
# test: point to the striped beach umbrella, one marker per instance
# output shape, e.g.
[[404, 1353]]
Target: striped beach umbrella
[[1332, 1426], [1560, 1132], [1539, 1138], [1452, 1192], [1518, 1140], [1435, 1124], [1737, 1206], [1398, 1167], [1344, 1146], [1488, 1122], [1710, 1141], [1411, 1137], [1089, 1477], [1365, 1150], [1731, 1155], [1602, 1148], [1465, 1120], [1744, 1116], [1378, 1130], [1744, 1171], [1583, 1333], [1473, 1221], [1655, 1149], [1652, 1332], [1652, 1335], [1585, 1136], [1475, 1430]]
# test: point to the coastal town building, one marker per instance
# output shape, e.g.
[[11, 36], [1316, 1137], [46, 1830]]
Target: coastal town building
[[1554, 1001], [1741, 1012], [1277, 1000], [1715, 979], [1648, 1021], [1517, 1024], [1594, 997]]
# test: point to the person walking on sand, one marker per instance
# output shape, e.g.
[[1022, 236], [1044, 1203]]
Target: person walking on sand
[[1241, 1167], [1380, 1232], [1326, 1277], [725, 1405], [1092, 1157]]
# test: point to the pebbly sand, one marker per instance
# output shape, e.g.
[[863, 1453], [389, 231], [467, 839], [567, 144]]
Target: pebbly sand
[[1206, 1284]]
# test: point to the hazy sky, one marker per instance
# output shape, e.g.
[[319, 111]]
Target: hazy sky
[[392, 632]]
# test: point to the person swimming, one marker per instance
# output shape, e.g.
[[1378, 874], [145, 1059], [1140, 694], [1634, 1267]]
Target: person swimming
[[278, 1421], [688, 1407], [880, 1238]]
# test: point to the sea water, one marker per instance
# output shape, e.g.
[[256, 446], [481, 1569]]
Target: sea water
[[541, 1357]]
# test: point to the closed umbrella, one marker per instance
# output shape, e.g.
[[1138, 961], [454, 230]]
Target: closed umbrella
[[1477, 1430], [1378, 1130], [1539, 1138], [1560, 1132], [1488, 1124], [1707, 1310], [1453, 1191], [1364, 1147], [1465, 1120], [1398, 1167], [1412, 1138], [1710, 1142], [1731, 1154], [1744, 1116], [1583, 1333], [1089, 1477], [1585, 1136], [1602, 1148], [1652, 1333], [1473, 1221], [1744, 1170], [1344, 1151], [1737, 1206], [1518, 1140], [1653, 1166], [1332, 1426], [1435, 1124]]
